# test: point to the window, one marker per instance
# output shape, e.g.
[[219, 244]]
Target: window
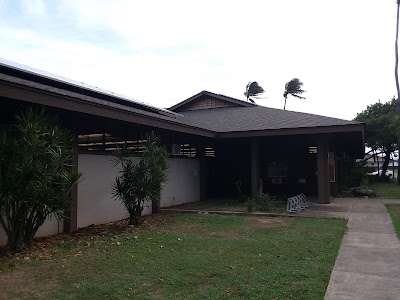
[[277, 169]]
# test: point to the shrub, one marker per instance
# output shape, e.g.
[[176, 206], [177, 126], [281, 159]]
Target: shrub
[[250, 204], [357, 175], [35, 176], [140, 181], [377, 178], [361, 191], [264, 202]]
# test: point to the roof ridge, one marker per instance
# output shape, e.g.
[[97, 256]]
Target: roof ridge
[[218, 96]]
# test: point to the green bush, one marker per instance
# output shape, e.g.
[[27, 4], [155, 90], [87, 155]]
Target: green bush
[[35, 175], [138, 182], [250, 204], [262, 202], [377, 178], [357, 175]]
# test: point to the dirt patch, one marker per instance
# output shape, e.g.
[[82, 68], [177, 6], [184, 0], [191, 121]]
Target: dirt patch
[[187, 229], [211, 206], [266, 222], [42, 245], [227, 234], [26, 284]]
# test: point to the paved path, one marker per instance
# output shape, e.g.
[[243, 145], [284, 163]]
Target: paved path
[[368, 264]]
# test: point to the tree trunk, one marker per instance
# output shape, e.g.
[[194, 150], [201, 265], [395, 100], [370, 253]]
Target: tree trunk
[[31, 229], [15, 237], [386, 163], [135, 213], [396, 75], [377, 160], [284, 107], [398, 165]]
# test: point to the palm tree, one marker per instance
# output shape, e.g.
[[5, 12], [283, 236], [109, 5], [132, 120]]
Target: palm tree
[[294, 88], [253, 89]]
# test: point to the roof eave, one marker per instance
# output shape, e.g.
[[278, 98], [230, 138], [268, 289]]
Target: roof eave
[[294, 131], [46, 95]]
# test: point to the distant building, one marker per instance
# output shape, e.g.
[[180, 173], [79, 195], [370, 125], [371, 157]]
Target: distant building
[[375, 162]]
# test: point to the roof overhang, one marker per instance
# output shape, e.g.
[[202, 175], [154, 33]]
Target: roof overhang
[[352, 130], [294, 131], [33, 92]]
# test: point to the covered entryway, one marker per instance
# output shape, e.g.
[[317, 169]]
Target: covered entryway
[[283, 166]]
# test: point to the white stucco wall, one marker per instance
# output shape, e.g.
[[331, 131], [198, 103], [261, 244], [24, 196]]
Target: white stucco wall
[[183, 182], [96, 204]]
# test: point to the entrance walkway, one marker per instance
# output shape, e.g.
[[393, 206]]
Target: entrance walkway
[[368, 264]]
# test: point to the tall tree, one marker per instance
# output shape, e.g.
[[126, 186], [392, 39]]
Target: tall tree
[[253, 90], [396, 48], [396, 76], [294, 88], [382, 125]]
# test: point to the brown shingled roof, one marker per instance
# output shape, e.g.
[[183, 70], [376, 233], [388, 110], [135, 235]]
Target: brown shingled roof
[[233, 119]]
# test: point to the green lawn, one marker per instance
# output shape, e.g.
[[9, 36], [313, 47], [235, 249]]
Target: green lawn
[[387, 190], [394, 212], [182, 256], [276, 207]]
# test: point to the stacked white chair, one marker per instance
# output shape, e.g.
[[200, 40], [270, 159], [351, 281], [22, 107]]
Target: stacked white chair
[[297, 203]]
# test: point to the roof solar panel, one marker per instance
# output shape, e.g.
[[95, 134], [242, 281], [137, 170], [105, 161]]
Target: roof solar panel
[[20, 67]]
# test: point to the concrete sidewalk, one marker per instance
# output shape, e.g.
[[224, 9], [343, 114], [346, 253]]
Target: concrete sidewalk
[[368, 264]]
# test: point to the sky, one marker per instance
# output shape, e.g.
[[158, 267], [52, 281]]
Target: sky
[[163, 52]]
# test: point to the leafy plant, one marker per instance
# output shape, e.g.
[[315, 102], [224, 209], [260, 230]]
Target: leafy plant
[[250, 204], [377, 178], [35, 176], [264, 202], [140, 181], [357, 175], [361, 191]]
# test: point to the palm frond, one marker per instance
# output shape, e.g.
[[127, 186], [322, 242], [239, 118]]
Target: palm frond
[[253, 89], [294, 88]]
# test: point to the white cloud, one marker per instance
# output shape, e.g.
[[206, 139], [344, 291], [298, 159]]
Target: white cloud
[[342, 51], [35, 8]]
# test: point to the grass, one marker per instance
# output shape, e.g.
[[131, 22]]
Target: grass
[[387, 190], [182, 256], [394, 212], [276, 207]]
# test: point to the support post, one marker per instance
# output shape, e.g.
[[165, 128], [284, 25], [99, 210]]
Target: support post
[[203, 172], [155, 204], [255, 167], [323, 172], [71, 222]]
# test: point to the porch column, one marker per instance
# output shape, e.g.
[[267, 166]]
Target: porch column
[[255, 167], [323, 172], [203, 173], [71, 222]]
